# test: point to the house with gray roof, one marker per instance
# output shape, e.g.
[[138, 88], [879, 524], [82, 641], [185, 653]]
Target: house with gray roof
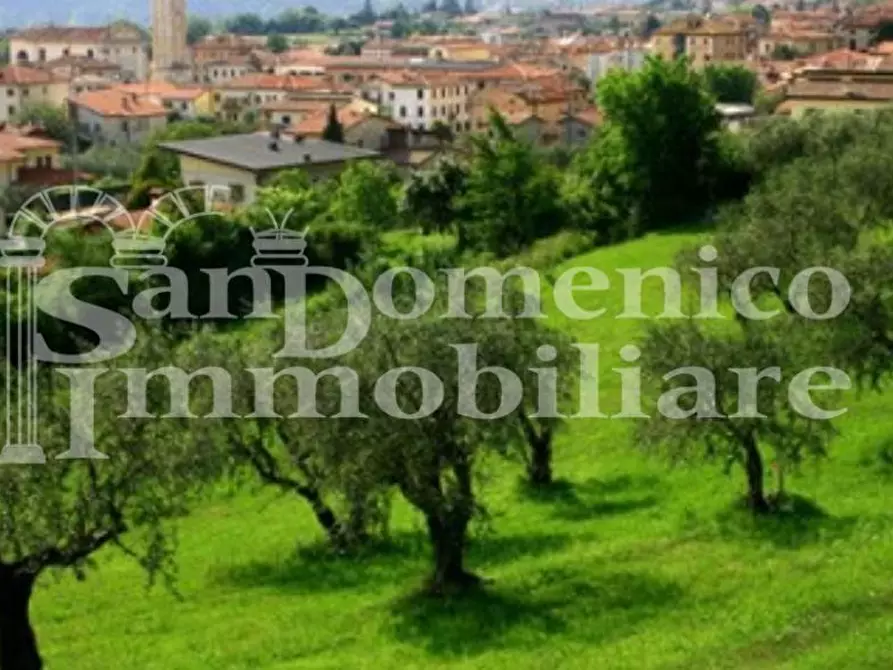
[[242, 163]]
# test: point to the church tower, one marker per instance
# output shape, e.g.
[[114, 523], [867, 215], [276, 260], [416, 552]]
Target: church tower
[[170, 55]]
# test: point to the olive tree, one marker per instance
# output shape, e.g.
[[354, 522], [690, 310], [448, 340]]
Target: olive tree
[[434, 398], [731, 396], [57, 515]]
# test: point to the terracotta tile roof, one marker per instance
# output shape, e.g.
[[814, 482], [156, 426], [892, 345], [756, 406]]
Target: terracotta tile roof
[[589, 116], [348, 117], [67, 34], [273, 82], [13, 145], [841, 90], [115, 103], [163, 90], [884, 48], [289, 105], [24, 76], [844, 59], [519, 117], [516, 71], [48, 176], [800, 35], [698, 25]]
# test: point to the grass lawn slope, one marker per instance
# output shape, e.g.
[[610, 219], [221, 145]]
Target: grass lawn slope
[[629, 564]]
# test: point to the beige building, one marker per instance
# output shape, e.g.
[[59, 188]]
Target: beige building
[[837, 91], [364, 130], [116, 117], [170, 55], [243, 163], [122, 44], [21, 155], [800, 42], [21, 86], [703, 41]]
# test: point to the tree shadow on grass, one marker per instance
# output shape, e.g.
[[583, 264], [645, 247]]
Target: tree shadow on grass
[[556, 603], [796, 523], [405, 558], [594, 497]]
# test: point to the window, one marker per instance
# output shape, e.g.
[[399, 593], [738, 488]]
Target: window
[[391, 95], [41, 55], [25, 92], [12, 110], [420, 94], [125, 126], [402, 112], [10, 92], [90, 53], [421, 111], [66, 51], [286, 119], [360, 143], [237, 192]]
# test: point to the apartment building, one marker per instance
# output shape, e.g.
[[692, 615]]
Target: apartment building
[[704, 40], [116, 117], [245, 96], [21, 86], [120, 43], [423, 101]]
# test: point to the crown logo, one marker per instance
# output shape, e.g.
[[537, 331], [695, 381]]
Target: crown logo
[[137, 251], [278, 244]]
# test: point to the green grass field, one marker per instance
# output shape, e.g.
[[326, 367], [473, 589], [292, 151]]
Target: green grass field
[[630, 565]]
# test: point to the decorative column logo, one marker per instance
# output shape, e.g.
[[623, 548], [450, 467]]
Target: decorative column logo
[[279, 245], [137, 246]]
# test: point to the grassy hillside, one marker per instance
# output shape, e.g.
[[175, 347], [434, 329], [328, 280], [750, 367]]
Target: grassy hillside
[[631, 565]]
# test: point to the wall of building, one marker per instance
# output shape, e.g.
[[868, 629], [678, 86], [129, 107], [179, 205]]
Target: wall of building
[[197, 171], [125, 49], [422, 107], [368, 134], [599, 64], [14, 98], [797, 108], [111, 130]]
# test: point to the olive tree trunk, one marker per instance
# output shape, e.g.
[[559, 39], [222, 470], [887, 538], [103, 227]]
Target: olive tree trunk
[[753, 466], [18, 644], [448, 538]]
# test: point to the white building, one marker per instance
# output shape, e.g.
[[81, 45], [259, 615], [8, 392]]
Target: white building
[[121, 43], [21, 86], [599, 64], [423, 101], [116, 117]]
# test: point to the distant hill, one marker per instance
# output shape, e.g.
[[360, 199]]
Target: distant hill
[[20, 14], [15, 14]]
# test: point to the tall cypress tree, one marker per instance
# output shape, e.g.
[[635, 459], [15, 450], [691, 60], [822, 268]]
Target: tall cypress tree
[[333, 132]]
